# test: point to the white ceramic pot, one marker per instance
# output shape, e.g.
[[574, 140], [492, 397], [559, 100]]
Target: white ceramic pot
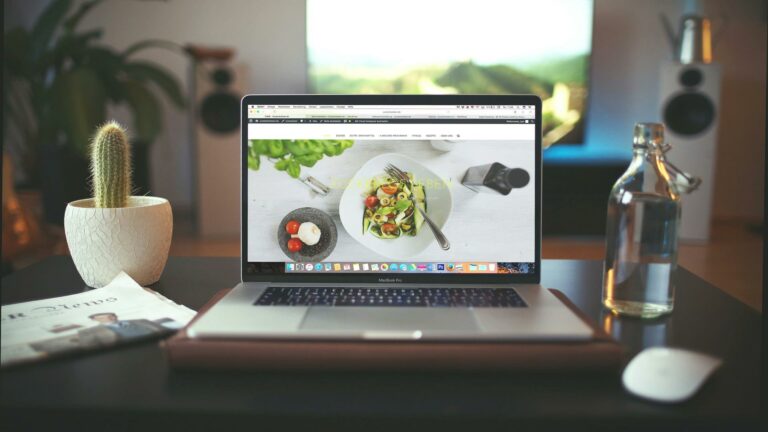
[[105, 241]]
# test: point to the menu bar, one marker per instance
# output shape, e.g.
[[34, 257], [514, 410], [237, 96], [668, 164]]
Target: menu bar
[[384, 121], [442, 131], [392, 112]]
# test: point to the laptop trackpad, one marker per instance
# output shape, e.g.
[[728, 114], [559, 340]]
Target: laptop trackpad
[[389, 319]]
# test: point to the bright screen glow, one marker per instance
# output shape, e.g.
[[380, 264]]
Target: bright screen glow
[[323, 196], [428, 46]]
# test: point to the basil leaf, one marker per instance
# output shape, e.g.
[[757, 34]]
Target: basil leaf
[[281, 165], [403, 204], [294, 170], [276, 149], [254, 162]]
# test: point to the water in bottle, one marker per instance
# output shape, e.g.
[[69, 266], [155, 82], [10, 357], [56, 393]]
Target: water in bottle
[[641, 240]]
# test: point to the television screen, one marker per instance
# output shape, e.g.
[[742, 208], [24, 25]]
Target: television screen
[[430, 47]]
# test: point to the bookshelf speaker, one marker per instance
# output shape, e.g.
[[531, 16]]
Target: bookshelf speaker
[[218, 88], [690, 108]]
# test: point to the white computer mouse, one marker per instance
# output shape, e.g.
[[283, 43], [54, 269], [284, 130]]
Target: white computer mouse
[[668, 374]]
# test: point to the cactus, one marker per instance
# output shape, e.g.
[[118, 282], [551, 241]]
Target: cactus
[[111, 166]]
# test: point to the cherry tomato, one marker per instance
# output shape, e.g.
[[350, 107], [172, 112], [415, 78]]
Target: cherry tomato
[[292, 227], [389, 189], [388, 228], [371, 201], [295, 245]]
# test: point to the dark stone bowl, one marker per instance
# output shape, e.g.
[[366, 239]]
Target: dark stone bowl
[[314, 253]]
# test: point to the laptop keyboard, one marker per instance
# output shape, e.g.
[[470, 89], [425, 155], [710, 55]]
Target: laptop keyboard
[[421, 297]]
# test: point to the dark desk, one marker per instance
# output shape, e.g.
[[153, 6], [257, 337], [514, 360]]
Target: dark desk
[[136, 384]]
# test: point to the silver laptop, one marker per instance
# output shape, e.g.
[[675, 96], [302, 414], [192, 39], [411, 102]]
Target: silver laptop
[[391, 218]]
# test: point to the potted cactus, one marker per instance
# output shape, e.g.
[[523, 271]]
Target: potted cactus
[[114, 231]]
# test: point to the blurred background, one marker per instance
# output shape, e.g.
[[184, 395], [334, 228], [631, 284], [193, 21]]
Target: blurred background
[[173, 71]]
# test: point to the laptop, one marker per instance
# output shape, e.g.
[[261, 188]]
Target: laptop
[[391, 217]]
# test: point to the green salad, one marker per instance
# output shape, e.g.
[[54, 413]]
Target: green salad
[[389, 207]]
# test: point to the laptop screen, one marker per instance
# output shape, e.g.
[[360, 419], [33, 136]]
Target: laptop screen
[[391, 191]]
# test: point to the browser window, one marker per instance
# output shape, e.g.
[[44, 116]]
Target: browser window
[[395, 189]]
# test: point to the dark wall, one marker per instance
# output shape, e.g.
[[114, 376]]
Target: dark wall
[[574, 198]]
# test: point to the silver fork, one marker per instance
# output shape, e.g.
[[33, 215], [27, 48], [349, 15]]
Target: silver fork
[[399, 174]]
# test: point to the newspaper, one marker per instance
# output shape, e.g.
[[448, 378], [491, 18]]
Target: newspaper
[[118, 313]]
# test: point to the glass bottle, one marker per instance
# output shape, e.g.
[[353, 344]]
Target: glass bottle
[[642, 225]]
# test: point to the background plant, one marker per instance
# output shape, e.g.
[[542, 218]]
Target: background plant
[[59, 80], [291, 155]]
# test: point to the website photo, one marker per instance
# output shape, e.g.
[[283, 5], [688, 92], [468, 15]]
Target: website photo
[[358, 192]]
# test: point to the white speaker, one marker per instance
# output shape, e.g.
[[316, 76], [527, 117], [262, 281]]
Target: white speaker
[[690, 110], [218, 88]]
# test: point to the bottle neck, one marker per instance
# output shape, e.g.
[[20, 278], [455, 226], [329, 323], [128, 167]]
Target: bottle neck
[[648, 153], [650, 159]]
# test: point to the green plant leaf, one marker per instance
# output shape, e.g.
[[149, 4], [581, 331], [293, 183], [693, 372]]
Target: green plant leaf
[[276, 149], [294, 169], [15, 49], [107, 64], [253, 162], [297, 148], [79, 104], [281, 165], [146, 71], [45, 27], [69, 46], [147, 116], [153, 43], [330, 148], [403, 204], [74, 19], [315, 146], [309, 160], [260, 147]]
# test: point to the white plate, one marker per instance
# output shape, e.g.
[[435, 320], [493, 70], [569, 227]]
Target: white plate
[[438, 199]]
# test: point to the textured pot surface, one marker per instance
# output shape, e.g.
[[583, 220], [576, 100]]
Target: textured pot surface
[[105, 241]]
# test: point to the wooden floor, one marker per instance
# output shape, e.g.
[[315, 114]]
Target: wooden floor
[[732, 260]]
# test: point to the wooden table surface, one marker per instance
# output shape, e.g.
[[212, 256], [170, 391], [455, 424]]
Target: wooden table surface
[[133, 387]]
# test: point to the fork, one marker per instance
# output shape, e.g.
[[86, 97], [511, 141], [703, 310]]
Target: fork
[[399, 174]]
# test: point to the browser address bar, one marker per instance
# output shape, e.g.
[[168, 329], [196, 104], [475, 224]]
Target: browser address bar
[[418, 112]]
